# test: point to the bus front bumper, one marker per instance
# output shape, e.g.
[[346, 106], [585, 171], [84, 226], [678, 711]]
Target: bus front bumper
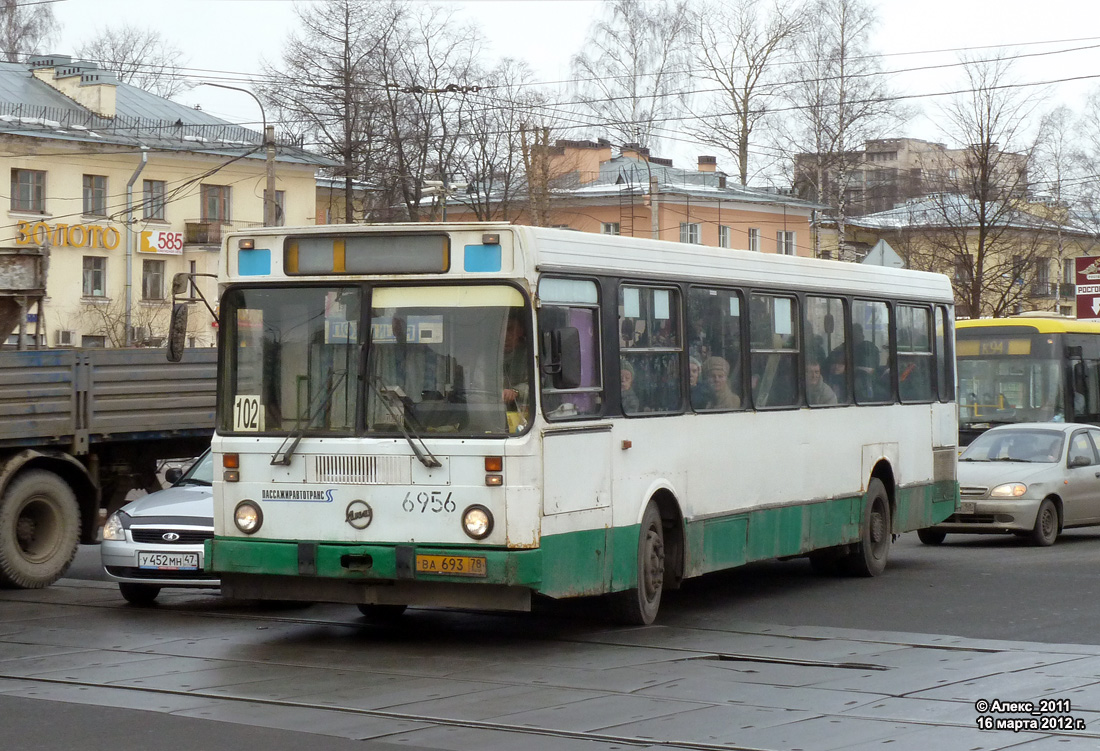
[[376, 574]]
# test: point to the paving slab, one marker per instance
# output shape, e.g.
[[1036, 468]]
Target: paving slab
[[496, 703], [597, 714], [711, 724], [303, 719]]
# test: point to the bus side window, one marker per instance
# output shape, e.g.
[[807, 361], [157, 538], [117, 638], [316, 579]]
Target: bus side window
[[915, 364], [650, 349], [774, 324], [570, 304], [715, 379]]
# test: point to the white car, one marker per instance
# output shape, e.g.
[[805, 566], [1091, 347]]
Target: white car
[[1030, 479], [157, 540]]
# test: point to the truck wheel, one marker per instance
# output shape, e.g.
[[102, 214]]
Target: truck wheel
[[39, 530]]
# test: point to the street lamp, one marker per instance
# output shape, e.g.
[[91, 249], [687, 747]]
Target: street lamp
[[442, 189], [269, 144]]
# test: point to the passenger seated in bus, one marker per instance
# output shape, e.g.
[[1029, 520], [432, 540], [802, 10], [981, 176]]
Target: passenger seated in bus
[[628, 396], [716, 371], [700, 392], [817, 391], [836, 375]]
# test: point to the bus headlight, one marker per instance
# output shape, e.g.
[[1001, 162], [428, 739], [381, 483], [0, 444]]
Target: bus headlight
[[477, 522], [1008, 490], [113, 529], [248, 517]]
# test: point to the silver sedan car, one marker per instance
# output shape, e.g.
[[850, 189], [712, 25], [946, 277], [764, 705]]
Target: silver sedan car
[[1030, 479], [157, 540]]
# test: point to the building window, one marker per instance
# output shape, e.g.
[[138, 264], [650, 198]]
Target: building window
[[754, 239], [689, 233], [724, 236], [280, 207], [153, 200], [215, 203], [152, 280], [609, 228], [98, 342], [784, 243], [28, 190], [95, 195], [95, 276]]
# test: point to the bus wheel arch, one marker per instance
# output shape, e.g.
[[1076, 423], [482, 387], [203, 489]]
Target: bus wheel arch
[[869, 556], [659, 561], [674, 537]]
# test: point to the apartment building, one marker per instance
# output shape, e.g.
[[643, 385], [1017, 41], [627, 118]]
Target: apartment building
[[115, 190], [890, 171], [584, 185]]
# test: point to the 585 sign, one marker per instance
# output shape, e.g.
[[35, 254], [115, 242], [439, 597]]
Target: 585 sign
[[162, 241]]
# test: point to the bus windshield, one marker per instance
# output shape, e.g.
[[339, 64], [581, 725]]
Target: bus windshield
[[441, 359], [995, 390]]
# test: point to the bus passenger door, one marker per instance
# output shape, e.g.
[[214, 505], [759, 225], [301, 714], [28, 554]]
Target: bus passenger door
[[576, 507]]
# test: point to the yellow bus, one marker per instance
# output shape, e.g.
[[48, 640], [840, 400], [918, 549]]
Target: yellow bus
[[1026, 368]]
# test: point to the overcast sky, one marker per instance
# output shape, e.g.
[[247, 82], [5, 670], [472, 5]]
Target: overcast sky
[[225, 37]]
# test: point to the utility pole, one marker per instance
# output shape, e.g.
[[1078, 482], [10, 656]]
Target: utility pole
[[269, 195]]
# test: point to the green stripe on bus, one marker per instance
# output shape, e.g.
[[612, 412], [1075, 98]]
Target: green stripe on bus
[[596, 561]]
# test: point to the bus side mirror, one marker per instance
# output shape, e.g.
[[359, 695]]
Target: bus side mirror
[[177, 330], [565, 358], [180, 283], [1079, 382]]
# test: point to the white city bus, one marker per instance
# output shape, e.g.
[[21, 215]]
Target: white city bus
[[468, 415]]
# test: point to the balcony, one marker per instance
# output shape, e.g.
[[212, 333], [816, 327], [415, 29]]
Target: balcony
[[200, 232], [208, 232], [1042, 289]]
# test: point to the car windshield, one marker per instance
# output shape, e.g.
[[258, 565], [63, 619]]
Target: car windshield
[[1035, 446], [200, 473]]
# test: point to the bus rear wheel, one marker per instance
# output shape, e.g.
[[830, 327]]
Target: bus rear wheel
[[639, 606], [869, 556]]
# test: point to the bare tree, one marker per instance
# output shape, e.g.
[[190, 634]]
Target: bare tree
[[632, 72], [25, 29], [139, 57], [323, 91], [741, 49], [494, 162], [426, 70], [840, 101], [989, 235]]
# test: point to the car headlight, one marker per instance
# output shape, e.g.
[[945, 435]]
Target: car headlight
[[248, 517], [477, 522], [113, 529], [1008, 490]]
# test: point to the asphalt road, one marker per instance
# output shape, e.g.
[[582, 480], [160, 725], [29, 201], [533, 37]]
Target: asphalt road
[[977, 586]]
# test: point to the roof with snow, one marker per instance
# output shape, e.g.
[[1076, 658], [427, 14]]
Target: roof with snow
[[34, 109]]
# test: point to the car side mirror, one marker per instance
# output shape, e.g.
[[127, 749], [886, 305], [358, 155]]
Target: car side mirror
[[1079, 461], [564, 367], [173, 475]]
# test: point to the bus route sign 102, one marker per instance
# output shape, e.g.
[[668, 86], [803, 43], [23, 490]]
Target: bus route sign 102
[[1088, 288]]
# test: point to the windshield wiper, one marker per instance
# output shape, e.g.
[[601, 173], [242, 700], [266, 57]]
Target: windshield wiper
[[282, 455], [385, 395]]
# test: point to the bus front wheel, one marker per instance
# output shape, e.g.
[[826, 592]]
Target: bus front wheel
[[639, 606], [869, 556]]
